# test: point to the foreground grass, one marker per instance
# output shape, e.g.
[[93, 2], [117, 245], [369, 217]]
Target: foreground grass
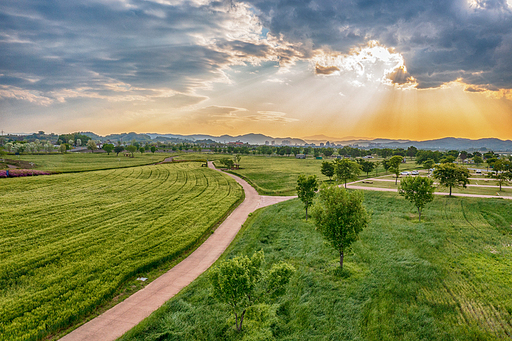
[[79, 162], [69, 241], [447, 278]]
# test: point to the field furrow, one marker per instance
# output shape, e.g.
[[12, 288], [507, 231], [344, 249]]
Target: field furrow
[[59, 260]]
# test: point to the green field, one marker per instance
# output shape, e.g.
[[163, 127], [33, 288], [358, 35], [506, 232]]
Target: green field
[[69, 241], [79, 162], [446, 278], [277, 175]]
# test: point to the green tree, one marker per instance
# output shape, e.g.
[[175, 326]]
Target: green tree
[[327, 169], [132, 149], [386, 165], [490, 162], [62, 148], [451, 175], [418, 190], [142, 150], [340, 216], [448, 159], [477, 159], [108, 148], [394, 166], [118, 149], [236, 160], [366, 165], [328, 151], [153, 149], [227, 162], [240, 283], [306, 188], [91, 145], [502, 171], [345, 170], [377, 164], [428, 164], [411, 151]]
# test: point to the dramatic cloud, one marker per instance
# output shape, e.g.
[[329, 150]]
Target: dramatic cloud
[[440, 40], [252, 64]]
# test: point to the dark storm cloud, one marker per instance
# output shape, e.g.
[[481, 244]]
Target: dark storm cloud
[[441, 40]]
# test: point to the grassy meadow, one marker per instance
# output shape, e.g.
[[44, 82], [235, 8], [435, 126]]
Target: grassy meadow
[[446, 278], [69, 241], [79, 162]]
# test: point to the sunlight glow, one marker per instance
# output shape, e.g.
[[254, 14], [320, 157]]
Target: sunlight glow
[[372, 63]]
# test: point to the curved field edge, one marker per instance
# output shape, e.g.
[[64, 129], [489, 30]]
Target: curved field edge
[[445, 278], [131, 285], [132, 220], [79, 162]]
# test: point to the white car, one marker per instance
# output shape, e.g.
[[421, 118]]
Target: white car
[[405, 173], [415, 172]]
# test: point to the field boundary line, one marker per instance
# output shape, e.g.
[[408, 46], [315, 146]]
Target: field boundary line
[[127, 314]]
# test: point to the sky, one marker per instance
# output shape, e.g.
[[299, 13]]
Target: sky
[[401, 69]]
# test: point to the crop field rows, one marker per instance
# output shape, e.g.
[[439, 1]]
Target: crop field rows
[[68, 241], [78, 162]]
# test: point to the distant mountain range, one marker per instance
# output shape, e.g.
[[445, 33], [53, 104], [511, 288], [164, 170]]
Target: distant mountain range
[[447, 143]]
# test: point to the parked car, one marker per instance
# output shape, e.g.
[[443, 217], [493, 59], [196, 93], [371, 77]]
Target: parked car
[[415, 172], [478, 171], [405, 173]]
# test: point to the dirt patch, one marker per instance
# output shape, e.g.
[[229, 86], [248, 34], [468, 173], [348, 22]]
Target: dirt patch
[[10, 163]]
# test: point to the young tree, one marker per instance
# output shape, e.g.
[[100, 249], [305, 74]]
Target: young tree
[[477, 159], [428, 164], [451, 175], [142, 150], [394, 166], [345, 170], [108, 148], [118, 149], [327, 169], [366, 166], [227, 162], [340, 216], [502, 171], [377, 164], [386, 165], [240, 283], [62, 148], [91, 145], [306, 188], [132, 149], [418, 190], [153, 149], [236, 160]]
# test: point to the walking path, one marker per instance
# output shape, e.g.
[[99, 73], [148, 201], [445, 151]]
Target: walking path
[[352, 186], [122, 317], [435, 183]]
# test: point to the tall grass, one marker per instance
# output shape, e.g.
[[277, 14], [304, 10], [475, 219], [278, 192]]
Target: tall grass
[[69, 241], [446, 278]]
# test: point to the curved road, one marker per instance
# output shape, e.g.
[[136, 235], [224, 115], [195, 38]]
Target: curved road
[[122, 317]]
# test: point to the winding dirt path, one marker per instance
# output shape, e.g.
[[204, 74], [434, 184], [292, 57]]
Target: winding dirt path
[[122, 317]]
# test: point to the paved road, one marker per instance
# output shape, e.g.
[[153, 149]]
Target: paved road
[[436, 183], [127, 314], [352, 186]]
